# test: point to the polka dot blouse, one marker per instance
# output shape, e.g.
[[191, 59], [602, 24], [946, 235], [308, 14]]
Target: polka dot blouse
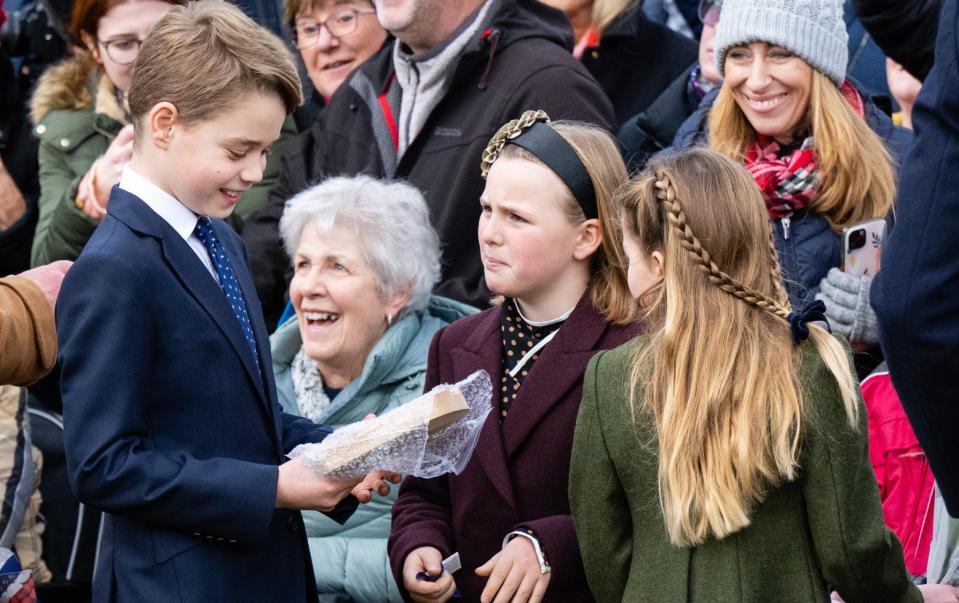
[[521, 338]]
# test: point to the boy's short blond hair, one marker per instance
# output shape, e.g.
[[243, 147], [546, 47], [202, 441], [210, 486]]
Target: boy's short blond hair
[[203, 56]]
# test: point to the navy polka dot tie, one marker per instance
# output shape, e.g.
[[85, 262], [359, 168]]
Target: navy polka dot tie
[[221, 263]]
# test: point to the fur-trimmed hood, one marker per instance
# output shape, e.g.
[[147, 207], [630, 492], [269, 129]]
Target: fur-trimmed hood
[[75, 84]]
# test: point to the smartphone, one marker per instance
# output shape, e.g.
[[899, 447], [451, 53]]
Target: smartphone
[[862, 247]]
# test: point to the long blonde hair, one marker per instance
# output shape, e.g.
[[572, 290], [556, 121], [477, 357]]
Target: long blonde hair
[[607, 11], [720, 376], [599, 153], [857, 181]]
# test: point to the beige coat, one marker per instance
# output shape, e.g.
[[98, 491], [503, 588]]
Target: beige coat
[[28, 337]]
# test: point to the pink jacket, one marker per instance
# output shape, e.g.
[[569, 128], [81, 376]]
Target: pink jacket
[[906, 484]]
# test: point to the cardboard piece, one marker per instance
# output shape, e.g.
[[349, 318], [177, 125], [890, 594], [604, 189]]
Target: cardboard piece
[[442, 407]]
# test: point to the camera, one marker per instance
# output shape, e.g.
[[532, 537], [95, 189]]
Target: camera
[[857, 239]]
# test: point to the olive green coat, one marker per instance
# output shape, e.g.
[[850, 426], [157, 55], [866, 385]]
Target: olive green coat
[[822, 531], [76, 115]]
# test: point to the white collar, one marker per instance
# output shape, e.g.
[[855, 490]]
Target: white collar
[[542, 323], [165, 205]]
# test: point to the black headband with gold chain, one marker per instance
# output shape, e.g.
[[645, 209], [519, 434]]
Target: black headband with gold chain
[[533, 133]]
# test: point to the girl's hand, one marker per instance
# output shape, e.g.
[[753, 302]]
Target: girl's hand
[[939, 593], [514, 575], [427, 559]]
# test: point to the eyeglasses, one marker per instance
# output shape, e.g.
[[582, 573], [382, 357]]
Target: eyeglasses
[[709, 11], [123, 51], [342, 24]]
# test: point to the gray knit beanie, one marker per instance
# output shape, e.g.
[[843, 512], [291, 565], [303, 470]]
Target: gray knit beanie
[[813, 29]]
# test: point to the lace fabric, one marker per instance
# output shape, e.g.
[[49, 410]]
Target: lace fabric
[[311, 398], [400, 441]]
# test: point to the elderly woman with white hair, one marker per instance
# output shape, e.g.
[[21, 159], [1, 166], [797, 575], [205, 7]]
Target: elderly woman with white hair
[[365, 259]]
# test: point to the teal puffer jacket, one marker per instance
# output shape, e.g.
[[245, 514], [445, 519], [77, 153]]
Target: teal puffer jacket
[[350, 559]]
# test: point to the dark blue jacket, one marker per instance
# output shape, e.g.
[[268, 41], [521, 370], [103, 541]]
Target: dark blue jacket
[[806, 244], [169, 427], [916, 295]]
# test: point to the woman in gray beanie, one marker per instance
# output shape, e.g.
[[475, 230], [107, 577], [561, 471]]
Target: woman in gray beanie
[[822, 153]]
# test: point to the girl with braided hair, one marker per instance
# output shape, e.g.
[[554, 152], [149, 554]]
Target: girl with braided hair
[[723, 456], [551, 248]]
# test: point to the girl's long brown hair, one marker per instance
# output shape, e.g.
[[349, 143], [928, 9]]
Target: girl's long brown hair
[[720, 375]]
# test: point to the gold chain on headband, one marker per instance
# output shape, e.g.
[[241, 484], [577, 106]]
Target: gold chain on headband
[[507, 132], [677, 219]]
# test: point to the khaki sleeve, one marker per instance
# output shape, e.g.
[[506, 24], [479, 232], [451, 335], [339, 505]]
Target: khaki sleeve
[[28, 337]]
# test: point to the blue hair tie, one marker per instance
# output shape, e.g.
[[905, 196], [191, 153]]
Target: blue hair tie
[[814, 311]]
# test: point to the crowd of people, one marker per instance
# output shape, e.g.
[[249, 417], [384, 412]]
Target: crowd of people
[[656, 225]]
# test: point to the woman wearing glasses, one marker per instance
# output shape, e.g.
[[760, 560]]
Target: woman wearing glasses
[[80, 115], [334, 37]]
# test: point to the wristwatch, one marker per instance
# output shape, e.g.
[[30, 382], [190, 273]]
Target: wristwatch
[[544, 567]]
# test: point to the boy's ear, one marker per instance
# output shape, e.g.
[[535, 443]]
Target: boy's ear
[[590, 238], [161, 123]]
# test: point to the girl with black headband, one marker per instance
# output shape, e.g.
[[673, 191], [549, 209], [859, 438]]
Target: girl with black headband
[[551, 250], [723, 455]]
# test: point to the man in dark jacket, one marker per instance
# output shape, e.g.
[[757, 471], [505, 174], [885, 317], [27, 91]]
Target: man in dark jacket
[[423, 109], [904, 29], [635, 59], [916, 294]]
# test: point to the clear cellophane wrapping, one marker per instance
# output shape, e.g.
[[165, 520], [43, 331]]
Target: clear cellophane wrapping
[[400, 440]]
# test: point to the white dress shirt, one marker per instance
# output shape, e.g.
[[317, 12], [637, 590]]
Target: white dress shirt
[[167, 207]]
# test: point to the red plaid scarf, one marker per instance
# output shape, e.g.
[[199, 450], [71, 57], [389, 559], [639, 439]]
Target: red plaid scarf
[[788, 183]]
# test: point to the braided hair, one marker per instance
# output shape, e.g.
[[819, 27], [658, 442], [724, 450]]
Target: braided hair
[[719, 377], [666, 193]]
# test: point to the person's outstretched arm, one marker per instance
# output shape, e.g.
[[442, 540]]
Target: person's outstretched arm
[[916, 294]]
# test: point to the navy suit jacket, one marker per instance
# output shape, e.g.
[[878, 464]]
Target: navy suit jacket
[[169, 427], [916, 294]]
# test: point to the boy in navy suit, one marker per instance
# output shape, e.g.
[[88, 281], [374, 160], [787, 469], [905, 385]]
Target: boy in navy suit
[[171, 420]]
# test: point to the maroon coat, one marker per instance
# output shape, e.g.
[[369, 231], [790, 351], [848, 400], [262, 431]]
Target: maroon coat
[[519, 471]]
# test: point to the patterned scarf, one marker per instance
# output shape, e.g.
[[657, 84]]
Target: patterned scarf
[[788, 182]]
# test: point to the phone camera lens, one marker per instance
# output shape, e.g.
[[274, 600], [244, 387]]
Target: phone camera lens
[[857, 239]]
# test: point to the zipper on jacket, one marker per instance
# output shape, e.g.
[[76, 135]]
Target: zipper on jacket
[[786, 221], [491, 36]]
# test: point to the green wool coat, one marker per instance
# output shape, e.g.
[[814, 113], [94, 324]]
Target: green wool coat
[[76, 116], [820, 532]]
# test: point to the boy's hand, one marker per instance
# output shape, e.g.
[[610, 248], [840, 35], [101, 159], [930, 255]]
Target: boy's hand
[[514, 574], [429, 560], [375, 481], [299, 487]]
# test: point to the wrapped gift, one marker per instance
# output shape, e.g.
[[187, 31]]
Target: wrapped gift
[[426, 437]]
